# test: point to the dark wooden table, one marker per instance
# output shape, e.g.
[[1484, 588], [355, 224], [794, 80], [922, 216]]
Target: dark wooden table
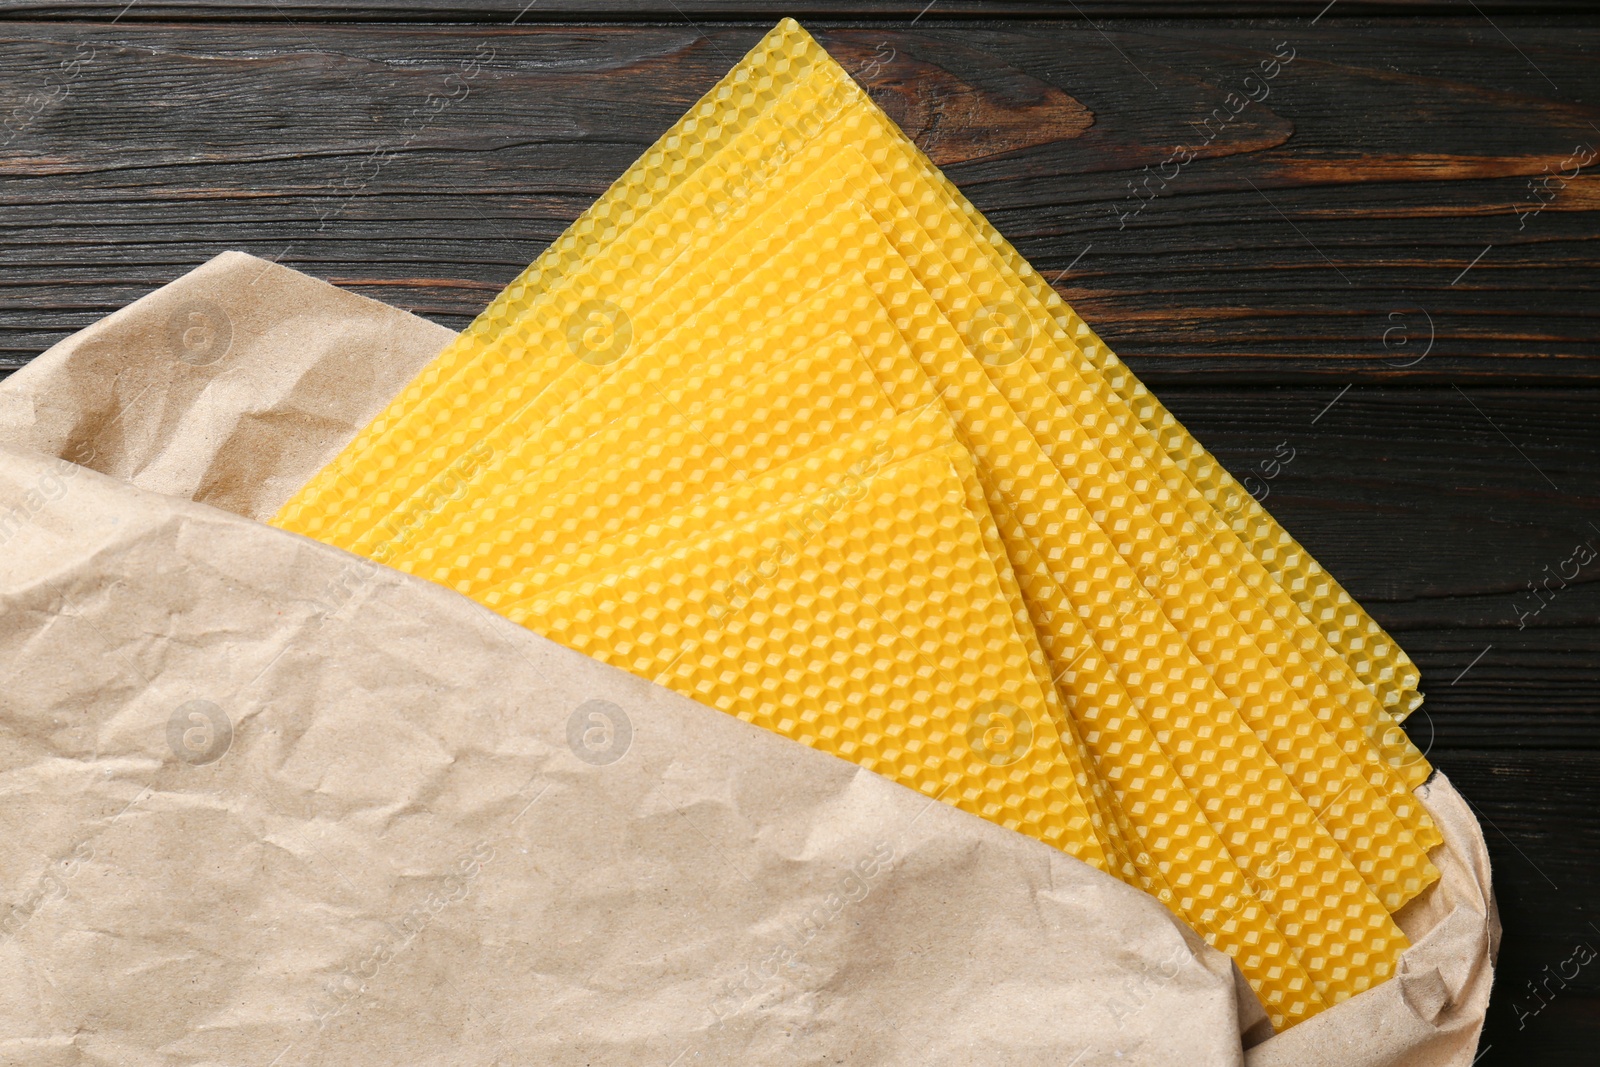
[[1387, 265]]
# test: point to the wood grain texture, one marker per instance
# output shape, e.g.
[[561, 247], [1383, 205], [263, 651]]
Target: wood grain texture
[[1368, 224], [1381, 166], [529, 12]]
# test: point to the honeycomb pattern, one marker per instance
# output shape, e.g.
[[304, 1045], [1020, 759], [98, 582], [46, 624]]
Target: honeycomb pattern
[[1185, 571], [727, 617], [1210, 887], [753, 308], [826, 473], [1369, 653], [1342, 703], [920, 429], [679, 440], [502, 389], [518, 346], [783, 423], [1320, 895], [1396, 766]]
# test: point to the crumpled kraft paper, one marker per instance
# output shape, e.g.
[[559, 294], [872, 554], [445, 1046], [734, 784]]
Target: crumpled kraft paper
[[265, 802]]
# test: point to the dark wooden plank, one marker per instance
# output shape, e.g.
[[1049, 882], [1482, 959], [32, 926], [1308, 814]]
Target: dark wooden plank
[[1387, 158], [524, 12]]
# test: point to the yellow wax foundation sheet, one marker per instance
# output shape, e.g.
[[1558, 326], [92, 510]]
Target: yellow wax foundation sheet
[[743, 410], [782, 423], [762, 280], [1232, 640], [784, 74], [880, 634], [1012, 324], [1401, 882], [662, 212], [1180, 855]]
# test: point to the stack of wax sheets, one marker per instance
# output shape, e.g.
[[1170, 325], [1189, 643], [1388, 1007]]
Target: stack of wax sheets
[[783, 424]]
